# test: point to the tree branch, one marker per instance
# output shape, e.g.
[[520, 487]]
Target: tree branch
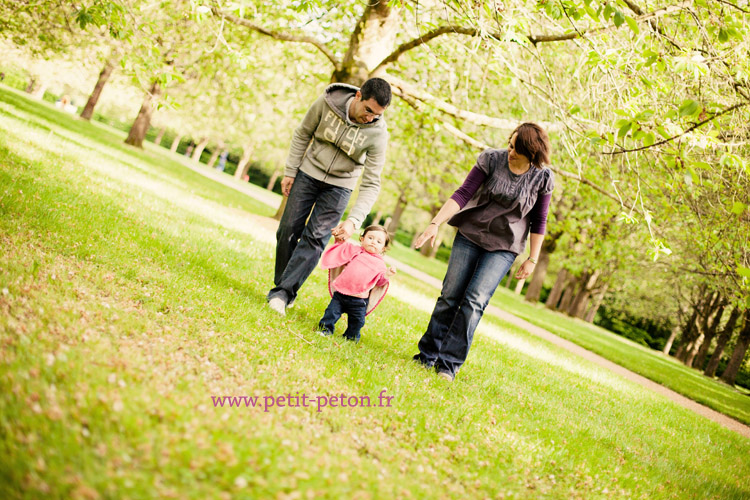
[[422, 39], [689, 129], [403, 89], [534, 39], [277, 35], [734, 6], [640, 19], [480, 145]]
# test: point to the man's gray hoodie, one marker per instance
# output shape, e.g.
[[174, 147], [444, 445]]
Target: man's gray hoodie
[[330, 148]]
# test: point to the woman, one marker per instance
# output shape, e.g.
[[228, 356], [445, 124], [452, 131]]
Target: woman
[[505, 196]]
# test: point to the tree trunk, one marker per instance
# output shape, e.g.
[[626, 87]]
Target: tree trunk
[[160, 136], [280, 211], [36, 88], [398, 211], [670, 340], [598, 299], [372, 40], [175, 143], [692, 349], [726, 335], [581, 301], [569, 293], [557, 289], [738, 354], [700, 358], [706, 314], [274, 177], [689, 333], [88, 110], [244, 163], [31, 86], [198, 151], [537, 278], [214, 156], [143, 120]]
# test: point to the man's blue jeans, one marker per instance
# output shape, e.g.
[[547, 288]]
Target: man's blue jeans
[[473, 275], [355, 309], [299, 245]]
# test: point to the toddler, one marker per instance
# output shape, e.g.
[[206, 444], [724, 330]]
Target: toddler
[[357, 280]]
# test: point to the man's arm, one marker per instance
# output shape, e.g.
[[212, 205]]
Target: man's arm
[[369, 189]]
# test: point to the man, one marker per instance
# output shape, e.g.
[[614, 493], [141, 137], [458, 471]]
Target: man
[[342, 137]]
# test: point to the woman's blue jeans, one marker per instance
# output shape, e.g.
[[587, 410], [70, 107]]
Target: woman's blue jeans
[[299, 241], [473, 275]]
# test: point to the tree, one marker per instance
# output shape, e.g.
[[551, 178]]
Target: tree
[[738, 353], [721, 343]]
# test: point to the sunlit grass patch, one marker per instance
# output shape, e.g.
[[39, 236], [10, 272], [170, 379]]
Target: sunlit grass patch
[[124, 308]]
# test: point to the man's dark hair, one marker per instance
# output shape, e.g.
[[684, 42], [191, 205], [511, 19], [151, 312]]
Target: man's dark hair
[[532, 142], [377, 88]]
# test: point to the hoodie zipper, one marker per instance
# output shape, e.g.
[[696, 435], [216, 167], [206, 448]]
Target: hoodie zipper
[[336, 143]]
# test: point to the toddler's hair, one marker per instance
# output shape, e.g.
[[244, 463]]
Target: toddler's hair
[[378, 227]]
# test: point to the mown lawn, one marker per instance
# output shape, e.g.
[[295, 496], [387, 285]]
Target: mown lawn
[[665, 370], [131, 292]]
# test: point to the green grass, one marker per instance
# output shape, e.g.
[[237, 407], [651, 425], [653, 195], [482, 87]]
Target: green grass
[[651, 364], [132, 290]]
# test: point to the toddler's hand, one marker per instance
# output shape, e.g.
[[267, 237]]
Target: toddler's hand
[[391, 271]]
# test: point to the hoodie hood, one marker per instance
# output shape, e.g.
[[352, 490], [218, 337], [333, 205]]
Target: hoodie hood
[[337, 96]]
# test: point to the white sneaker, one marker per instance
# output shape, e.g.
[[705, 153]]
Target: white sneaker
[[278, 305]]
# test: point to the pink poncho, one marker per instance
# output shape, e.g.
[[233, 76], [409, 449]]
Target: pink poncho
[[353, 271]]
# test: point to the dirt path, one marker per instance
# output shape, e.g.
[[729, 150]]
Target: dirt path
[[270, 225], [681, 400]]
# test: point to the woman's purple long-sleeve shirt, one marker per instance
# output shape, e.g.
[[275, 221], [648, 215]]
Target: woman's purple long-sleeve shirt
[[538, 215]]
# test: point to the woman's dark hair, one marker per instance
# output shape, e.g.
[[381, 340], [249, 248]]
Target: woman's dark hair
[[377, 88], [532, 141], [378, 227]]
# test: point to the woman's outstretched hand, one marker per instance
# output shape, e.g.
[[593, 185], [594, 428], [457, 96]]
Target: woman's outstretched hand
[[429, 234]]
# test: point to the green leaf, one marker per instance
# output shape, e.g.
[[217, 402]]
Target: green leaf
[[592, 13], [574, 109], [649, 139], [723, 35], [624, 129], [619, 19], [689, 107], [738, 207], [743, 271], [662, 132], [633, 25]]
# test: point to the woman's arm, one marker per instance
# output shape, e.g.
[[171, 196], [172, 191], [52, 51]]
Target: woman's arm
[[455, 203], [449, 209]]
